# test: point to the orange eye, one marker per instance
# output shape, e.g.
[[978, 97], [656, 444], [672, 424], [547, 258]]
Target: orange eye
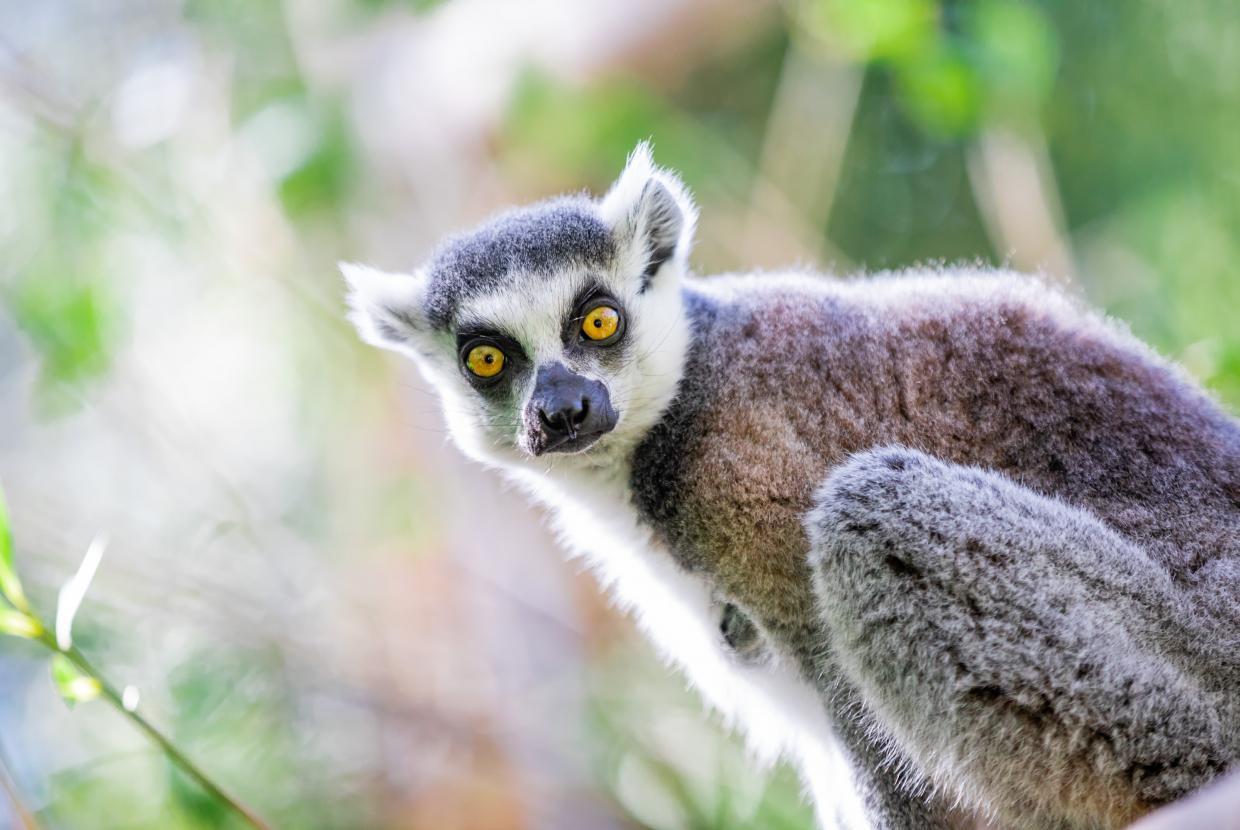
[[485, 361], [601, 323]]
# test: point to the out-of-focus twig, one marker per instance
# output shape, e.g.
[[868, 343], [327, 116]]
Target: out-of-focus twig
[[1015, 188], [169, 749], [806, 134], [75, 677], [25, 818]]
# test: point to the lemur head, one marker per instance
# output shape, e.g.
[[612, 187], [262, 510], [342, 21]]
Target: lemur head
[[554, 333]]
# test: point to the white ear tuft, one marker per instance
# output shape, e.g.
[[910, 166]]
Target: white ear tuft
[[620, 200], [385, 307], [650, 210]]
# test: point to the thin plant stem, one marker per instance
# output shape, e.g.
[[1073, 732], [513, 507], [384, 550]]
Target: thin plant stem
[[174, 754]]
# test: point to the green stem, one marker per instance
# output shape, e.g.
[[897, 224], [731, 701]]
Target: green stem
[[175, 755]]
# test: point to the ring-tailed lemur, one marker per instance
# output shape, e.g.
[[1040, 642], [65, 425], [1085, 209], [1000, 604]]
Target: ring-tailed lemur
[[957, 546]]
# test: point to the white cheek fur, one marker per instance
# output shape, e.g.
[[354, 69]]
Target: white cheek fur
[[660, 339]]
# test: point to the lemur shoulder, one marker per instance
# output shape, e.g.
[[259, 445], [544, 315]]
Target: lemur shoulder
[[956, 545]]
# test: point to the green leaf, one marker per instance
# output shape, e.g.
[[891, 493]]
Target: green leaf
[[939, 89], [74, 686], [1018, 54], [9, 584], [19, 625], [873, 29], [71, 323]]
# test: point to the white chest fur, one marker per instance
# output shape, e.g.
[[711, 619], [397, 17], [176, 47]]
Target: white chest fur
[[779, 713]]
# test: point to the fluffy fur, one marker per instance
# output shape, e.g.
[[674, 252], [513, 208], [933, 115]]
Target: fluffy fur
[[975, 550]]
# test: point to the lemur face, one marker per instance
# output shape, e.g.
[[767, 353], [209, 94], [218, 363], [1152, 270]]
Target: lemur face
[[553, 333]]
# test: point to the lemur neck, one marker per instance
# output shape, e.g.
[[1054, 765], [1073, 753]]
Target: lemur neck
[[658, 466]]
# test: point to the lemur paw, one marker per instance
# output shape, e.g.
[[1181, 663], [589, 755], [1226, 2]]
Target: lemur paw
[[896, 500], [878, 501], [740, 634]]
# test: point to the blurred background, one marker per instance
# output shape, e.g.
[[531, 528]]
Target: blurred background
[[297, 581]]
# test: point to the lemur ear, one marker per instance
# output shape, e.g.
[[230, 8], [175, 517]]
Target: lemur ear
[[650, 211], [385, 307]]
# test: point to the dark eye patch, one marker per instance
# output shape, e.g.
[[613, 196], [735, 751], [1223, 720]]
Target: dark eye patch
[[468, 334]]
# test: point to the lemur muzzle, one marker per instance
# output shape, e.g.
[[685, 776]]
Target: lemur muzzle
[[567, 411]]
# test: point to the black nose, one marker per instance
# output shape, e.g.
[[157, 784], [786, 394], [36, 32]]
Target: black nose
[[569, 411], [565, 416]]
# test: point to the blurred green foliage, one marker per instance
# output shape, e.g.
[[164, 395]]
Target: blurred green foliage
[[321, 183], [69, 325], [953, 63], [668, 771], [10, 585]]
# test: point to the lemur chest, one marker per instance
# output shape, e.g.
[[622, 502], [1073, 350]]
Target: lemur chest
[[735, 514], [725, 482]]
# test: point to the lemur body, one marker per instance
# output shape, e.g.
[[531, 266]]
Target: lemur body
[[992, 372], [974, 550]]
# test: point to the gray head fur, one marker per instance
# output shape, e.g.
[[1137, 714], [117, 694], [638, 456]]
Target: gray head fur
[[539, 240]]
